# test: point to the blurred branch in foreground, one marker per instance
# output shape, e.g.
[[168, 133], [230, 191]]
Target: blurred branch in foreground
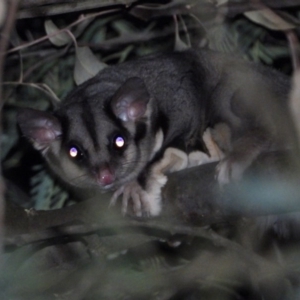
[[191, 196]]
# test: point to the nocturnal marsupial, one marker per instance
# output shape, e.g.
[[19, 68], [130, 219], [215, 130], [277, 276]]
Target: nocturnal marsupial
[[125, 128]]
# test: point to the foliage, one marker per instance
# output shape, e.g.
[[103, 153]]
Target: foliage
[[126, 265]]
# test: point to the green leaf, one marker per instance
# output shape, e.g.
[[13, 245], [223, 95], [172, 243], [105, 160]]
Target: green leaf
[[45, 193], [60, 39], [268, 18], [123, 27], [180, 45], [87, 65]]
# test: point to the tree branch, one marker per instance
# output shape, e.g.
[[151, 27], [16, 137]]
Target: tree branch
[[42, 8], [191, 196], [33, 9]]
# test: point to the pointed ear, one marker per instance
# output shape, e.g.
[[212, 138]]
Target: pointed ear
[[42, 128], [130, 101]]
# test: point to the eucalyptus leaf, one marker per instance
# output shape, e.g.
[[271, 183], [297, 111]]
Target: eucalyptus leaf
[[269, 19], [125, 53], [60, 39], [98, 25], [45, 193], [99, 36], [81, 27], [278, 51], [153, 48], [41, 189], [87, 65], [248, 38], [180, 45], [124, 27], [121, 55]]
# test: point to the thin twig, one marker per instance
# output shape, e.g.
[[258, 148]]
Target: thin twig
[[40, 86], [46, 37], [294, 48], [47, 58]]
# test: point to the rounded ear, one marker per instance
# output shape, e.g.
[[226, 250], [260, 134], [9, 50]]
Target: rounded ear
[[130, 101], [40, 127]]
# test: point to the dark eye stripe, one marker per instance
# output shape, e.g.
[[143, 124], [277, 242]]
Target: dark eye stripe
[[141, 130], [88, 120]]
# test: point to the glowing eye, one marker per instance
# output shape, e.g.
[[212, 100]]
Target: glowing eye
[[76, 153], [119, 142], [73, 152]]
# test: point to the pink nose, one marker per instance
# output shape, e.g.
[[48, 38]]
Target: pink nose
[[105, 176]]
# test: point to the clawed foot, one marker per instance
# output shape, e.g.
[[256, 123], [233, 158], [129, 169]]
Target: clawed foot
[[143, 203]]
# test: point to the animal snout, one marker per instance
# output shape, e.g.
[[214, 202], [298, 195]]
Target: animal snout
[[104, 175]]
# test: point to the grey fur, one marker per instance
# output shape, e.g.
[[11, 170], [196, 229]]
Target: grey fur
[[180, 93]]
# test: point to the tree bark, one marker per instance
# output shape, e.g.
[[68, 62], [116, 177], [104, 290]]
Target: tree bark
[[191, 197]]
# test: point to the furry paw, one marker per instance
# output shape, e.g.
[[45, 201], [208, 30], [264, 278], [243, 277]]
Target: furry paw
[[229, 170], [143, 203], [148, 202]]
